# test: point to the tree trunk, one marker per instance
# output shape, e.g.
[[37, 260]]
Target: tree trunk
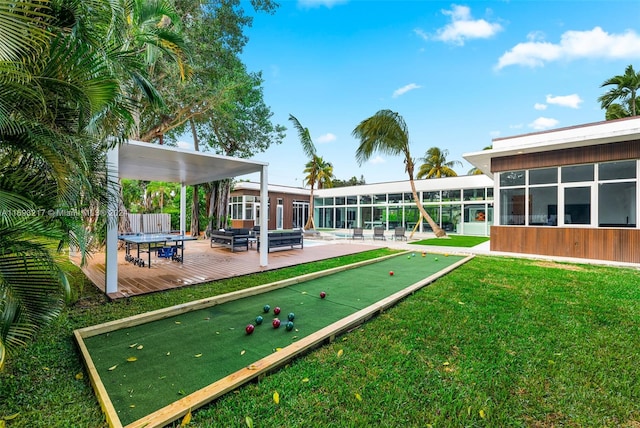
[[439, 232], [195, 213], [310, 225]]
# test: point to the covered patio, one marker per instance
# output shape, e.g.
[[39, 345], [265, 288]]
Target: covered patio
[[152, 162]]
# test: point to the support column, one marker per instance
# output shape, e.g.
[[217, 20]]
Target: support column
[[111, 250], [183, 209], [264, 215]]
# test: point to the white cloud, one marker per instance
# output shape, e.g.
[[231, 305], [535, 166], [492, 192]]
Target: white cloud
[[572, 100], [593, 44], [494, 134], [542, 123], [318, 3], [326, 138], [185, 145], [539, 106], [462, 27], [405, 89], [516, 126], [377, 160]]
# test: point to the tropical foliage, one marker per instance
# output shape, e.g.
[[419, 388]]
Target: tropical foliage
[[318, 172], [59, 100], [436, 165], [386, 132], [622, 99]]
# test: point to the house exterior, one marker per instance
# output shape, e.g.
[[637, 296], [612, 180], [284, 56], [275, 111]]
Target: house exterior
[[288, 207], [570, 192]]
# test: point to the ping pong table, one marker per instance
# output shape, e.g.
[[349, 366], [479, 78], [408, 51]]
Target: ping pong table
[[165, 244]]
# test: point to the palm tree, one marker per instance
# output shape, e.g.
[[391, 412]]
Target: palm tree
[[625, 90], [59, 101], [387, 132], [435, 164], [318, 171]]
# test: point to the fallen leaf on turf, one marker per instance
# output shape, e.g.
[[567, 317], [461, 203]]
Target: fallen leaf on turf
[[132, 345], [276, 397], [168, 353], [248, 421], [306, 379], [469, 410], [358, 397], [186, 419], [340, 352], [217, 332], [481, 413], [113, 367], [132, 359], [304, 292], [446, 363], [178, 322], [79, 376], [242, 352], [461, 303], [207, 319], [278, 349], [198, 355], [139, 347], [10, 417], [132, 406]]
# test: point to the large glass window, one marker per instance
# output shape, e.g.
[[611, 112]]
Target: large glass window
[[617, 204], [340, 200], [408, 197], [543, 206], [434, 213], [543, 176], [395, 198], [576, 173], [352, 200], [473, 194], [451, 217], [617, 170], [577, 205], [411, 216], [352, 217], [395, 216], [341, 218], [431, 196], [512, 206], [380, 199], [512, 178], [236, 207], [451, 195]]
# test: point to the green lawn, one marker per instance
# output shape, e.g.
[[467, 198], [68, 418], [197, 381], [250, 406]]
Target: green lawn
[[497, 342], [453, 241]]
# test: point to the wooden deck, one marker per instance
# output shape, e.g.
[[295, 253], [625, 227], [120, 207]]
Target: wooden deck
[[204, 264]]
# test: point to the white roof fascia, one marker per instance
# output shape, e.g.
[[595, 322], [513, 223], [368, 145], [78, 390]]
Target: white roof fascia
[[154, 162], [592, 134]]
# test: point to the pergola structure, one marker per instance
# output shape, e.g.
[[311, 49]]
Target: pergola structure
[[145, 161]]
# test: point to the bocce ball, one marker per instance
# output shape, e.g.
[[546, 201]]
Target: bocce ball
[[276, 310], [249, 329], [258, 320], [323, 294], [289, 326], [266, 308], [436, 259], [424, 254], [391, 273], [291, 316], [275, 323]]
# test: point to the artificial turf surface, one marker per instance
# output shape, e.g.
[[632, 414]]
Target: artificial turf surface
[[179, 355]]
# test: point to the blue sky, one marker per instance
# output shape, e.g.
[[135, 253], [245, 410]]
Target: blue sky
[[460, 74]]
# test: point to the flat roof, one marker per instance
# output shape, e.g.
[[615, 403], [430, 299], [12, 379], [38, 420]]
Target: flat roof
[[146, 161], [591, 134]]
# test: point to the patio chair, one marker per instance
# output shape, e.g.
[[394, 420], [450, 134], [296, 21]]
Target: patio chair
[[398, 233], [378, 233], [358, 233]]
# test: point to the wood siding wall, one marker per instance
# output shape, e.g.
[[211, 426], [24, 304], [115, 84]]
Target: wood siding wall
[[287, 208], [578, 155], [620, 245]]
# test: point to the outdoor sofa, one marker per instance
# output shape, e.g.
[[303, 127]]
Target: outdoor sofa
[[279, 239], [234, 239]]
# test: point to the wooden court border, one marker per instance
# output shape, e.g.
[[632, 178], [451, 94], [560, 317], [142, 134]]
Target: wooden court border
[[260, 368]]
